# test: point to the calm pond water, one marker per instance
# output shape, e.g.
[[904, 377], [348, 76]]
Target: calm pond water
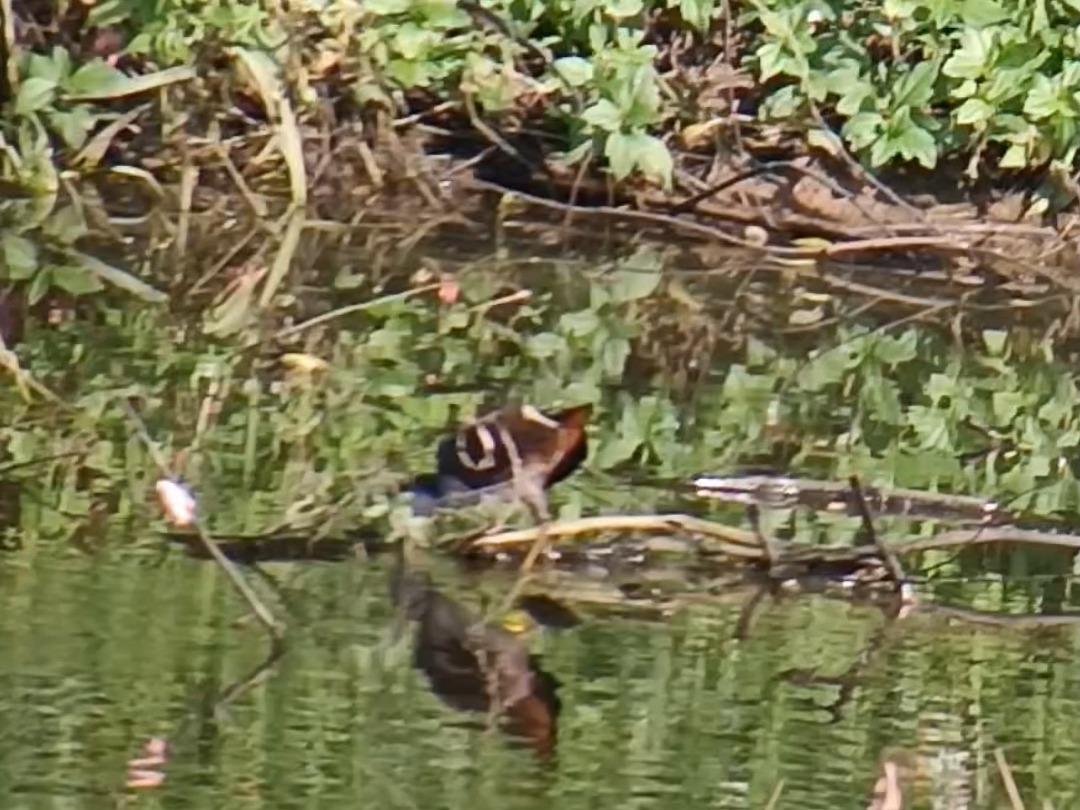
[[101, 654], [105, 643]]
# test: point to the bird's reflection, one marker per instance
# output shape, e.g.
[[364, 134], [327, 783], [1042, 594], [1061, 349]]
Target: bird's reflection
[[476, 666]]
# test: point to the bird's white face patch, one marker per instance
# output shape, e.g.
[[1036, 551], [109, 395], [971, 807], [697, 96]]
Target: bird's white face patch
[[533, 415], [487, 446]]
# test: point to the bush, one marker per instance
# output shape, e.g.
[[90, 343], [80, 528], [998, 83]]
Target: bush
[[900, 82]]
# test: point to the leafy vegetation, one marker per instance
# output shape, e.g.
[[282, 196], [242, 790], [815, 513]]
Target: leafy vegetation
[[322, 436], [285, 413], [897, 83]]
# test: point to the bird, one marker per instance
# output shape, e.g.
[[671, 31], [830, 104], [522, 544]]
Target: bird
[[515, 450]]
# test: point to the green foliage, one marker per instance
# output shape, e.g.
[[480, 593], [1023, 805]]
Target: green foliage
[[898, 409], [920, 81], [58, 105], [907, 81], [171, 31]]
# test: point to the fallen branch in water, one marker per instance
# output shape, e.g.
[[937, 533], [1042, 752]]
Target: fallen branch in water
[[742, 543], [734, 541]]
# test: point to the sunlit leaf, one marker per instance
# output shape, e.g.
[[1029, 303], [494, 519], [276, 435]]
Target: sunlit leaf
[[20, 255], [620, 9], [806, 317], [581, 323], [636, 277], [980, 13], [603, 115], [544, 345], [75, 280], [995, 340], [620, 153], [34, 94], [614, 356], [574, 70]]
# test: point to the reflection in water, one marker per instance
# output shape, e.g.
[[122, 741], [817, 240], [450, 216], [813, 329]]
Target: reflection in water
[[98, 656], [476, 666]]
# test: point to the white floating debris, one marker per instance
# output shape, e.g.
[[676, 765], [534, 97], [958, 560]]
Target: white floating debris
[[177, 501]]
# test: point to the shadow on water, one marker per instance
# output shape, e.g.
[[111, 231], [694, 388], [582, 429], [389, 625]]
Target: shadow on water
[[678, 680]]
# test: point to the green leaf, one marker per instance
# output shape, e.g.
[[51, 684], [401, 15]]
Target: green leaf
[[544, 345], [620, 151], [574, 70], [1006, 405], [973, 58], [825, 369], [1015, 157], [615, 451], [1043, 99], [940, 386], [654, 159], [387, 7], [995, 341], [862, 129], [916, 88], [613, 357], [34, 94], [412, 41], [73, 125], [697, 13], [66, 225], [637, 277], [75, 280], [54, 66], [94, 77], [20, 256], [122, 85], [824, 140], [980, 13], [603, 115], [915, 143], [620, 9], [892, 351], [771, 60], [581, 323], [39, 286], [625, 152], [882, 398], [974, 111], [852, 99]]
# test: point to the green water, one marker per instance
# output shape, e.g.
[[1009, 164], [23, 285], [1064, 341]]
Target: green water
[[99, 654]]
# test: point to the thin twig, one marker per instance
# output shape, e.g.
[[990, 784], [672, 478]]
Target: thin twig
[[539, 510], [495, 138], [896, 571], [224, 563], [753, 515], [1007, 778], [774, 799], [860, 171], [340, 312]]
